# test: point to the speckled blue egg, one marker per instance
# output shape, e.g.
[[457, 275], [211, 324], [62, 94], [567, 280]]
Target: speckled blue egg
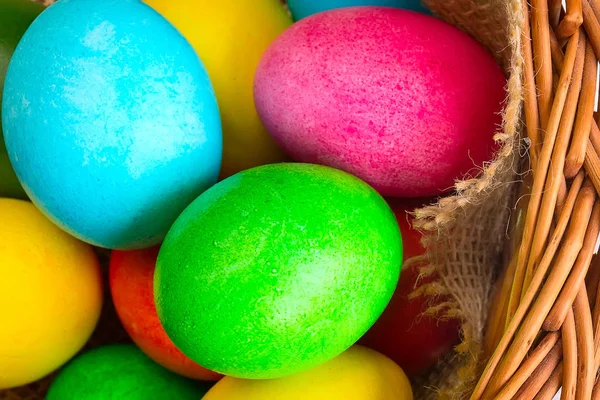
[[110, 121], [303, 8]]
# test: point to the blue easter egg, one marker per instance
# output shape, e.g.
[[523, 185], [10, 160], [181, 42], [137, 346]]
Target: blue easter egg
[[303, 8], [110, 121]]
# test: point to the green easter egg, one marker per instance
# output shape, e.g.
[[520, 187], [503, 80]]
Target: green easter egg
[[119, 372], [277, 269], [15, 18]]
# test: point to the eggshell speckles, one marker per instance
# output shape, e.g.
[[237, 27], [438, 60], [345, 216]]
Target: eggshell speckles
[[276, 270], [119, 372], [110, 121], [400, 99]]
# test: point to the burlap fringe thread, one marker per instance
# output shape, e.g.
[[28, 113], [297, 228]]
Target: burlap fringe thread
[[465, 232]]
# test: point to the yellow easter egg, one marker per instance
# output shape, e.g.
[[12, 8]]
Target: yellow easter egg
[[230, 37], [50, 294], [357, 374]]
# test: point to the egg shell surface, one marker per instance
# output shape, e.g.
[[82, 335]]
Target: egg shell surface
[[131, 277], [304, 8], [356, 374], [50, 294], [276, 270], [120, 130], [15, 18], [119, 372], [230, 36], [400, 99]]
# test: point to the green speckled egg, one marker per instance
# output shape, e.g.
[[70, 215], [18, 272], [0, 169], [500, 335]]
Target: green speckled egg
[[119, 372], [277, 269]]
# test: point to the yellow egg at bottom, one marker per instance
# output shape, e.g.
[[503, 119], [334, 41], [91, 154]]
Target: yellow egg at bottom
[[50, 294], [357, 374]]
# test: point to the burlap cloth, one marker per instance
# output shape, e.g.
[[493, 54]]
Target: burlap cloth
[[465, 233]]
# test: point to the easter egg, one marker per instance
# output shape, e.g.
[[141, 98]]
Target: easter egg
[[50, 294], [121, 372], [131, 278], [413, 340], [402, 100], [119, 130], [356, 374], [230, 36], [276, 270], [15, 18], [303, 8]]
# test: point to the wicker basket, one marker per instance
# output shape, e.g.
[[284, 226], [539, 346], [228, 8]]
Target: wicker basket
[[545, 331], [466, 232]]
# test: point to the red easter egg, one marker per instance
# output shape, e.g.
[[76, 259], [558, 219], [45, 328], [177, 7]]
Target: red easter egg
[[131, 283], [404, 101], [414, 341]]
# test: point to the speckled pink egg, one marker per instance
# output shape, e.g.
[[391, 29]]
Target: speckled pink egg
[[404, 101]]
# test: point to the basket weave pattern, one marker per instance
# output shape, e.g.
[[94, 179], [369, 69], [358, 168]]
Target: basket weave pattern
[[544, 331]]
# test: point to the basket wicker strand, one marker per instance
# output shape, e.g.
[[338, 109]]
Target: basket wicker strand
[[547, 335]]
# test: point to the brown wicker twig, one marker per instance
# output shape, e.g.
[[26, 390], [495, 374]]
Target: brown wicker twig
[[595, 138], [585, 115], [592, 166], [576, 279], [529, 366], [541, 375], [554, 11], [592, 160], [595, 4], [596, 308], [499, 310], [530, 106], [542, 57], [528, 320], [569, 343], [591, 282], [556, 50], [596, 391], [540, 174], [552, 386], [555, 172], [586, 366], [537, 281], [571, 21], [591, 25]]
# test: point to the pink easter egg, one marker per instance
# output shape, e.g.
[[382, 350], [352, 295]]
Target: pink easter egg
[[402, 100]]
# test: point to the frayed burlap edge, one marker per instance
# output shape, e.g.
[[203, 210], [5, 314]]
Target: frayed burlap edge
[[465, 232]]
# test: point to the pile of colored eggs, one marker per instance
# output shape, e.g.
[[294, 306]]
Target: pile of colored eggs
[[235, 163]]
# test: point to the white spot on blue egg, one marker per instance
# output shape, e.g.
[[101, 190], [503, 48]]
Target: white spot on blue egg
[[101, 38], [123, 130]]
